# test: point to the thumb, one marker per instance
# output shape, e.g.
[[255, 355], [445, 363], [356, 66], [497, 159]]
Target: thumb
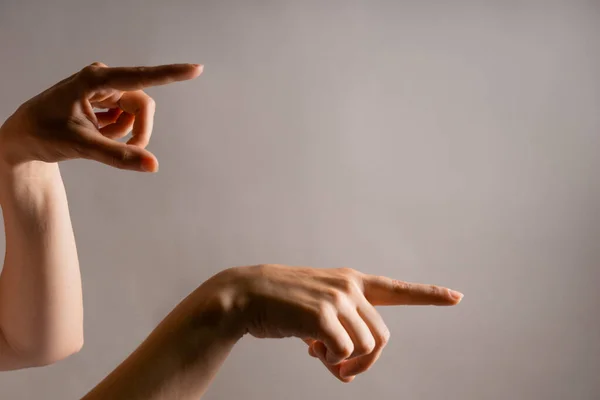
[[121, 155]]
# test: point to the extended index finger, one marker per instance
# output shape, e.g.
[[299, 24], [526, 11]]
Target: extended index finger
[[382, 291], [137, 78]]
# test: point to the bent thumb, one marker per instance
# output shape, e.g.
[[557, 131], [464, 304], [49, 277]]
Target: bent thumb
[[121, 155]]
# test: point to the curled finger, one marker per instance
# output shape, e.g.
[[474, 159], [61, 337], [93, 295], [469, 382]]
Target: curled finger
[[379, 332], [359, 332], [142, 107], [118, 155], [320, 351], [104, 118], [335, 337], [120, 128]]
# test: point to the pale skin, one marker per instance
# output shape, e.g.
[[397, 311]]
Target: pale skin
[[41, 313], [331, 310]]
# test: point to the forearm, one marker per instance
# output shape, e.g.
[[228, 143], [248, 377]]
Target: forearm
[[178, 360], [41, 312]]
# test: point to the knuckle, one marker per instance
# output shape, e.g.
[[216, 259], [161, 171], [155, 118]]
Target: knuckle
[[338, 299], [350, 286], [349, 272], [89, 71], [348, 281], [400, 285], [323, 312], [365, 346], [262, 269], [383, 337], [150, 103], [323, 319], [91, 75], [434, 290], [344, 350], [121, 159], [345, 284]]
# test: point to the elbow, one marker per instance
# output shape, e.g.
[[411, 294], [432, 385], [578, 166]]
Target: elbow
[[43, 354], [55, 352], [39, 350], [73, 347]]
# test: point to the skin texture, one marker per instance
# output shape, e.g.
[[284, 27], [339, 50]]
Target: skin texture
[[41, 313], [332, 310]]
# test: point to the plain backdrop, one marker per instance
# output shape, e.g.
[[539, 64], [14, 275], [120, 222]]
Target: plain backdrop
[[454, 143]]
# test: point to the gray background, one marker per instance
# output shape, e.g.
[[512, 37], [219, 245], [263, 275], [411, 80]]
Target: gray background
[[445, 142]]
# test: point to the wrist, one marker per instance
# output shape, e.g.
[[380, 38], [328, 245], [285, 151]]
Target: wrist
[[13, 139], [200, 325], [220, 304], [14, 167], [31, 180], [8, 133], [28, 170]]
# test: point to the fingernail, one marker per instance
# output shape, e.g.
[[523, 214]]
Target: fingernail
[[456, 295]]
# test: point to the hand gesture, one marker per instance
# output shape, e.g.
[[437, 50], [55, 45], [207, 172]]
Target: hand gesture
[[61, 123], [332, 310]]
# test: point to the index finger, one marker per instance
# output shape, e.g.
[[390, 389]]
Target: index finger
[[137, 78], [384, 291]]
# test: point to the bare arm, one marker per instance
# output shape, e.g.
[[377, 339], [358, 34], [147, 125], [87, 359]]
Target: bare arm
[[332, 310], [178, 360], [41, 313]]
